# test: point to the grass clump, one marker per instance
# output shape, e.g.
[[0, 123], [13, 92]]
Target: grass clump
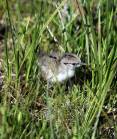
[[28, 109]]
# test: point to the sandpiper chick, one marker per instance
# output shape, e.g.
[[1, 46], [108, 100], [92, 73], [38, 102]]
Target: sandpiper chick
[[55, 68]]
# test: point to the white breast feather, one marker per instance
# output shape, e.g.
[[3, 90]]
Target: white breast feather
[[61, 76]]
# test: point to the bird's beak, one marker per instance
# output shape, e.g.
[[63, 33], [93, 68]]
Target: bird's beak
[[80, 64], [83, 64]]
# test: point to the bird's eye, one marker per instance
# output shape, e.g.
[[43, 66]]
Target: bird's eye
[[53, 57], [74, 64], [71, 63], [65, 63]]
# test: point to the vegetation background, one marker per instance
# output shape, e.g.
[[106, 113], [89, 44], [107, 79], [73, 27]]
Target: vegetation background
[[28, 109]]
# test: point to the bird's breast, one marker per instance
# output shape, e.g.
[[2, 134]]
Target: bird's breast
[[61, 76]]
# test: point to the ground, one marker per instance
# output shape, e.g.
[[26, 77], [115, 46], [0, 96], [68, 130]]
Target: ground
[[87, 109]]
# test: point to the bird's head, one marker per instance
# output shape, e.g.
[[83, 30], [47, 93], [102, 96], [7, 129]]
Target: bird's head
[[72, 61]]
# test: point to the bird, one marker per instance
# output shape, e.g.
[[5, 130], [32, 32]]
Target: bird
[[58, 68]]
